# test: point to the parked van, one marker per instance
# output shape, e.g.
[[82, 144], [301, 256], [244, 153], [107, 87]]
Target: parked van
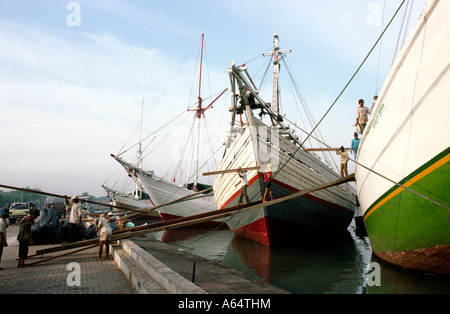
[[19, 210]]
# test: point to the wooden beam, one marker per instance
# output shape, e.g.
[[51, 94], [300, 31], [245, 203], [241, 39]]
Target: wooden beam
[[78, 244], [76, 251], [64, 196], [229, 171], [324, 149]]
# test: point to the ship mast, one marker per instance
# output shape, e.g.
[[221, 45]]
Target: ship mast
[[277, 54], [137, 191], [199, 114]]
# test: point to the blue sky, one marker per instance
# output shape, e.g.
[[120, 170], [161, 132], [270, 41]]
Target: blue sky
[[74, 74]]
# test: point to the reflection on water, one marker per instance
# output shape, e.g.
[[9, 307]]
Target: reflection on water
[[338, 266]]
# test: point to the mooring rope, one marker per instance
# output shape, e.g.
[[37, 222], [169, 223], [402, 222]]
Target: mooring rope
[[343, 90]]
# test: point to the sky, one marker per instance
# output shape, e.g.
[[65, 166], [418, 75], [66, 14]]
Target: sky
[[80, 80]]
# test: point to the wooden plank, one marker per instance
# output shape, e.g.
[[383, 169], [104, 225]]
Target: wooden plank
[[64, 196], [325, 149], [229, 171], [75, 251], [76, 245]]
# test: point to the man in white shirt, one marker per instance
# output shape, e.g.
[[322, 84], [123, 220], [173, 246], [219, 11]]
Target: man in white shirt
[[105, 233], [244, 184], [361, 115], [75, 217]]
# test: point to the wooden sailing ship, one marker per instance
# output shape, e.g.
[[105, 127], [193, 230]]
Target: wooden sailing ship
[[253, 143]]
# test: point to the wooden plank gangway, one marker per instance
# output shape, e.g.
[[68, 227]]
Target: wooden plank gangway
[[330, 149]]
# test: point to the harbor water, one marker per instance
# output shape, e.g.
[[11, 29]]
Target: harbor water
[[338, 266]]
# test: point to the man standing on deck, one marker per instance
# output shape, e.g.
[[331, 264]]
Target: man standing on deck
[[361, 115], [344, 161], [244, 184], [75, 216], [355, 144]]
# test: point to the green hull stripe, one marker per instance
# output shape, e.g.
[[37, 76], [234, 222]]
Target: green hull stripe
[[401, 220]]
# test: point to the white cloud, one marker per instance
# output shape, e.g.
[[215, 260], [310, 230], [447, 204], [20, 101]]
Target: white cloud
[[66, 104]]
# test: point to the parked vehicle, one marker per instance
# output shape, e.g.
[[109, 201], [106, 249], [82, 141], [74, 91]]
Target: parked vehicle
[[19, 210]]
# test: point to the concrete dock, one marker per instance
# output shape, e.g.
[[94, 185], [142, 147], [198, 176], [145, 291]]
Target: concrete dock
[[138, 265]]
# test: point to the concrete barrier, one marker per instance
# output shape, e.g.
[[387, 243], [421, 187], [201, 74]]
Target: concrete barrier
[[148, 265]]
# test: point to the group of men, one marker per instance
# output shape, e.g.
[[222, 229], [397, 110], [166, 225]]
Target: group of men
[[24, 236], [244, 183], [362, 118], [25, 239], [102, 226]]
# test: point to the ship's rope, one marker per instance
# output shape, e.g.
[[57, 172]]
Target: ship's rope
[[344, 89], [379, 54]]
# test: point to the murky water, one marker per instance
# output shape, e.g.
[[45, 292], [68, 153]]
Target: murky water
[[345, 265]]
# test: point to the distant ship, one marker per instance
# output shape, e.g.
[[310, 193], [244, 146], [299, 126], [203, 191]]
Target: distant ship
[[173, 200], [403, 170]]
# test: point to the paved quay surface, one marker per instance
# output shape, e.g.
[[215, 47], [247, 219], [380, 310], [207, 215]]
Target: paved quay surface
[[58, 276], [52, 277]]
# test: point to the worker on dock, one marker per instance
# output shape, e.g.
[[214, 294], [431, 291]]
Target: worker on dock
[[344, 161], [105, 233], [24, 237], [244, 184], [76, 214]]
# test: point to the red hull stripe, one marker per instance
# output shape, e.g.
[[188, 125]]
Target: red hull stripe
[[236, 194]]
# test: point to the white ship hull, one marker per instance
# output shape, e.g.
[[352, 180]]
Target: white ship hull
[[162, 192], [407, 142]]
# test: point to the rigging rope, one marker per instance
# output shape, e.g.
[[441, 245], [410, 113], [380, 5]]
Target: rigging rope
[[343, 90], [379, 55]]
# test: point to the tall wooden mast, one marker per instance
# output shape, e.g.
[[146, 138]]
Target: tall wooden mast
[[199, 114], [277, 54]]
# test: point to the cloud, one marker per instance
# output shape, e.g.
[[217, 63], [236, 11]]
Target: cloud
[[69, 101]]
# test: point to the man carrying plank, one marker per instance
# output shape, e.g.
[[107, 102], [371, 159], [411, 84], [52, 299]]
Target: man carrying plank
[[244, 184]]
